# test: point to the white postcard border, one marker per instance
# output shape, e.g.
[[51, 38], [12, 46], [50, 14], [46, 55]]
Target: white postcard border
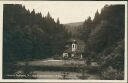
[[49, 80]]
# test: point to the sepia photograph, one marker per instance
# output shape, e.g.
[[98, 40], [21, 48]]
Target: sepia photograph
[[64, 40]]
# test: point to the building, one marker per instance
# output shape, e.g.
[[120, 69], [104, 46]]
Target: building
[[74, 49]]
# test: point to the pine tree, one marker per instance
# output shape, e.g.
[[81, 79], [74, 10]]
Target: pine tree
[[33, 12], [48, 15], [58, 21], [96, 19]]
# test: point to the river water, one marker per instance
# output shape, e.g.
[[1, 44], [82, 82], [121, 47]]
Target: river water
[[54, 69]]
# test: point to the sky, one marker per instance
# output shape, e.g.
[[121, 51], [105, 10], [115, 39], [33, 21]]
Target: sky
[[68, 12]]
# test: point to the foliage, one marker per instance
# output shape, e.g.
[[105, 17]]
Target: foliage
[[104, 38], [28, 36], [86, 29]]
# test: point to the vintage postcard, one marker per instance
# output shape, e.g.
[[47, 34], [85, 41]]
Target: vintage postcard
[[63, 41]]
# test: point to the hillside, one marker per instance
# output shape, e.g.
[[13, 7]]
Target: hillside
[[73, 27], [75, 24]]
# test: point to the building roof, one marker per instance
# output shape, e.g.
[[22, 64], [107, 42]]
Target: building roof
[[80, 47], [69, 50], [71, 41]]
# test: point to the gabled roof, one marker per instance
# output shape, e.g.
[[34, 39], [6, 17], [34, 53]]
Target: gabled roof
[[72, 41], [80, 46], [69, 50], [80, 49]]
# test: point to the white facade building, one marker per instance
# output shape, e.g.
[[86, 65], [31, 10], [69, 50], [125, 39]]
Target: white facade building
[[74, 47]]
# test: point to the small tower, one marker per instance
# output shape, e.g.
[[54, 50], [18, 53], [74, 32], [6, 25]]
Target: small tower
[[74, 46]]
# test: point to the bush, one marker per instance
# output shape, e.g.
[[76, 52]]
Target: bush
[[112, 74]]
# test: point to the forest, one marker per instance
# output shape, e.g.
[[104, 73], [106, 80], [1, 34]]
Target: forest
[[30, 36], [104, 38]]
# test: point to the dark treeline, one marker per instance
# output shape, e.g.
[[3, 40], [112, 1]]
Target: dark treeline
[[27, 36], [104, 38]]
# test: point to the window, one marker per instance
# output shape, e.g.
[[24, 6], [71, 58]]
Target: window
[[73, 45]]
